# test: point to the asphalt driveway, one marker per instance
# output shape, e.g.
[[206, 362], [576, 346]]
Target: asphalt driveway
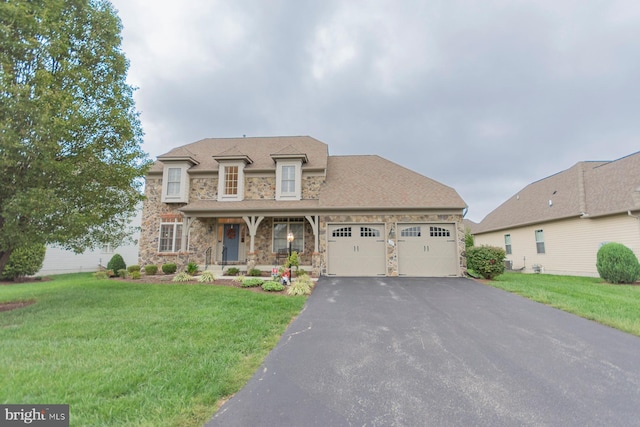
[[450, 351]]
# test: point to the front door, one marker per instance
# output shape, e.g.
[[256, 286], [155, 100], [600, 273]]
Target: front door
[[230, 241]]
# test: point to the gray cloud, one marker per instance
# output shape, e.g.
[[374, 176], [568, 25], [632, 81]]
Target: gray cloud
[[482, 96]]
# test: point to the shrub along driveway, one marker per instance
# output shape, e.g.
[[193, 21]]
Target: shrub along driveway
[[401, 351]]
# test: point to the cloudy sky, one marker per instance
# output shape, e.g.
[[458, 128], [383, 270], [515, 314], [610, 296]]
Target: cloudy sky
[[483, 96]]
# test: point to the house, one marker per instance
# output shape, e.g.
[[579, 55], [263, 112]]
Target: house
[[246, 201], [62, 261], [556, 225]]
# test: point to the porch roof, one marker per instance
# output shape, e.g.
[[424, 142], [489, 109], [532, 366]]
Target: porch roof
[[214, 208]]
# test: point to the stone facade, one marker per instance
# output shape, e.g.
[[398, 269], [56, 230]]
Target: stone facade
[[205, 233]]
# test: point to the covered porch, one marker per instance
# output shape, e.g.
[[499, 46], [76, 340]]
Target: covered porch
[[217, 241]]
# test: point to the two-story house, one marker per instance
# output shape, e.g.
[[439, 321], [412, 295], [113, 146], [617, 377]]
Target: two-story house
[[247, 201]]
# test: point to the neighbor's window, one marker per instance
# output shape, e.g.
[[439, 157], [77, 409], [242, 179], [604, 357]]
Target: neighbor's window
[[173, 181], [539, 241], [281, 229], [170, 237], [507, 244], [231, 180]]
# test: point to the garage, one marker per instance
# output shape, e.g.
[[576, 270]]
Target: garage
[[427, 250], [356, 250]]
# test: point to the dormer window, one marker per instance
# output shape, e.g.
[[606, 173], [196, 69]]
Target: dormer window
[[288, 179], [231, 181], [231, 174], [175, 182]]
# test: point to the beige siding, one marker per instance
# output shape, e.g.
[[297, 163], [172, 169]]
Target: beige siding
[[571, 245]]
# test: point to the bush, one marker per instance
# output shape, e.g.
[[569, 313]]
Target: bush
[[293, 261], [135, 274], [272, 286], [207, 277], [252, 283], [122, 273], [132, 268], [255, 272], [116, 263], [192, 268], [469, 241], [616, 263], [232, 271], [100, 275], [24, 261], [302, 286], [182, 277], [169, 268], [488, 261], [150, 270], [110, 273]]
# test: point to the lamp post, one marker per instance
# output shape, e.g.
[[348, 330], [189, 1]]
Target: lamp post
[[290, 240]]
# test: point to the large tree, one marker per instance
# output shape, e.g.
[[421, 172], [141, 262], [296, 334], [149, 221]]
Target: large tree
[[70, 157]]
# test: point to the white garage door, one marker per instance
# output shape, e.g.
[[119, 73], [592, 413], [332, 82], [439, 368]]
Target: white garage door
[[356, 250], [427, 250]]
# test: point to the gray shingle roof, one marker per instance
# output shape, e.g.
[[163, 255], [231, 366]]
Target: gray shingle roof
[[374, 182], [258, 149], [587, 188], [352, 182]]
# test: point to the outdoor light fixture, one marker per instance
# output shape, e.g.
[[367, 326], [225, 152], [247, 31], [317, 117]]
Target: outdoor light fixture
[[290, 240], [392, 233]]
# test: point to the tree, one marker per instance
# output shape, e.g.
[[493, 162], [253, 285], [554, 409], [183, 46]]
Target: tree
[[70, 136]]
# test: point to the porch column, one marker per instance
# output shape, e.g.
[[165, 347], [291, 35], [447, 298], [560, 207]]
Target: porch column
[[314, 221], [252, 223], [186, 225]]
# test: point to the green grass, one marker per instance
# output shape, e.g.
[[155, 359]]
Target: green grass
[[124, 354], [617, 306]]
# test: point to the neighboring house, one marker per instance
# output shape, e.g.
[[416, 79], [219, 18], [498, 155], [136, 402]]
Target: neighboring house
[[61, 261], [556, 225], [237, 200]]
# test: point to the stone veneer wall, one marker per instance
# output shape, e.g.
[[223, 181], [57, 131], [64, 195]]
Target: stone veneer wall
[[263, 187], [388, 221]]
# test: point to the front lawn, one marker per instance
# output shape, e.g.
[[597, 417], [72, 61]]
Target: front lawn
[[617, 306], [135, 354]]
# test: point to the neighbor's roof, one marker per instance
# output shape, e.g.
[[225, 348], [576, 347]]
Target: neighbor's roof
[[259, 150], [587, 189]]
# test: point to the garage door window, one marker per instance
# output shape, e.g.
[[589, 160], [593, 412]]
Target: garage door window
[[439, 232], [342, 232], [411, 232], [369, 232]]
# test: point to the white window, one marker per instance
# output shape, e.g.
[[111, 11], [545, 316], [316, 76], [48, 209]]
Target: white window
[[175, 183], [281, 229], [507, 244], [231, 181], [539, 241], [170, 237], [289, 180]]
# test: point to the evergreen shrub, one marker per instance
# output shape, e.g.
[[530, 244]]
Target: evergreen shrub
[[616, 263], [116, 263]]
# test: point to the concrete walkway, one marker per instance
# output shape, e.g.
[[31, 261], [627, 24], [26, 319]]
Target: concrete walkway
[[442, 352]]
